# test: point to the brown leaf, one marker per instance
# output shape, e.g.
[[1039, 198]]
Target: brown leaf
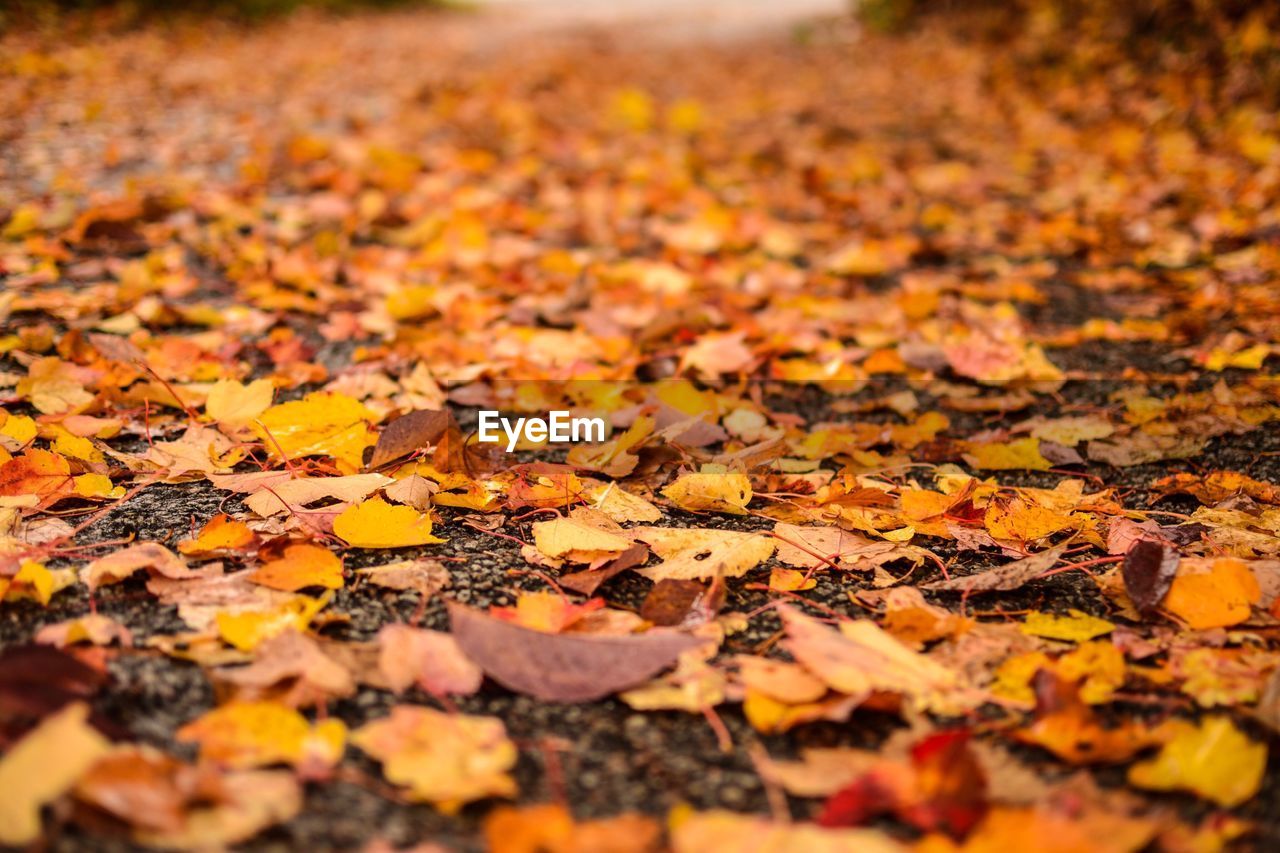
[[1148, 569], [411, 432], [679, 603], [562, 667], [1010, 576], [587, 582]]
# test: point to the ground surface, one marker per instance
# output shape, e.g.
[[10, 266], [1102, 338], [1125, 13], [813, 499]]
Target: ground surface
[[845, 233]]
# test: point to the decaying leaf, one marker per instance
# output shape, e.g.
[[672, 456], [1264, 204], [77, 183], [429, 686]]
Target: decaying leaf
[[1010, 576]]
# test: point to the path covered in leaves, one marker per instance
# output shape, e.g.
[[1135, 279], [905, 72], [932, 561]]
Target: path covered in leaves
[[940, 504]]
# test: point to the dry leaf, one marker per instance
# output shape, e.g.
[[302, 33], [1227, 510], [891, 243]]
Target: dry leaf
[[562, 667], [378, 524], [444, 759]]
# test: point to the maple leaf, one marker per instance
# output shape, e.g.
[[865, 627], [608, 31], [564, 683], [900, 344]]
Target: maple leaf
[[1213, 760], [374, 523], [298, 566], [220, 535], [242, 735], [237, 404], [860, 658], [444, 759], [562, 667], [320, 424], [689, 553]]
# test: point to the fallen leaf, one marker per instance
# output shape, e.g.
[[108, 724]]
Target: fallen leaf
[[444, 759], [861, 658], [232, 402], [408, 433], [92, 628], [320, 424], [220, 536], [242, 735], [563, 667], [698, 832], [711, 490], [1148, 569], [1212, 593], [375, 523], [424, 576], [1213, 760], [43, 766], [300, 565], [1008, 577], [1075, 627], [430, 659], [119, 565], [549, 828], [690, 553]]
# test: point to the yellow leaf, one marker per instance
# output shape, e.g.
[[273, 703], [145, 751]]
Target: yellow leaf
[[1076, 627], [576, 539], [790, 580], [1213, 760], [96, 486], [377, 524], [52, 387], [19, 429], [34, 577], [1020, 521], [301, 565], [690, 553], [445, 759], [1023, 453], [233, 402], [254, 734], [711, 490], [320, 424], [619, 504], [247, 630], [41, 767]]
